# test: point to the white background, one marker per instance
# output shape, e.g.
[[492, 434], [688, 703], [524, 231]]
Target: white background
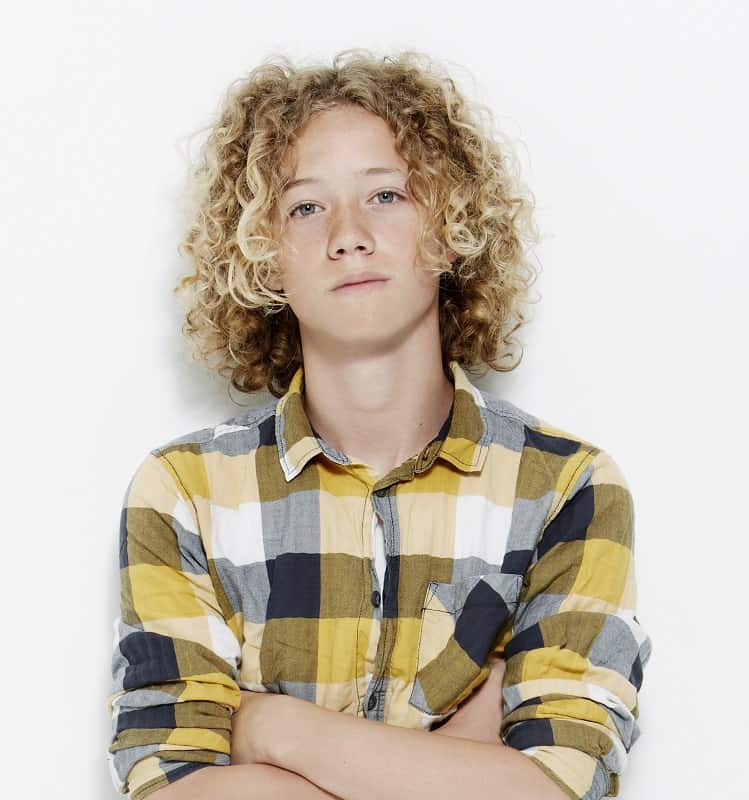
[[632, 129]]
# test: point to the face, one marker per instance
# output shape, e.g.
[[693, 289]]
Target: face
[[347, 213]]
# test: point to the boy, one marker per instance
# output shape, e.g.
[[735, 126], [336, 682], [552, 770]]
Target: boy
[[385, 540]]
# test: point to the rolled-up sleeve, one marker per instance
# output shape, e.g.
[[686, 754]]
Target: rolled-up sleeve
[[575, 659], [175, 659]]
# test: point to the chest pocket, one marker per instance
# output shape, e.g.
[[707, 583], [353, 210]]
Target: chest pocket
[[460, 623]]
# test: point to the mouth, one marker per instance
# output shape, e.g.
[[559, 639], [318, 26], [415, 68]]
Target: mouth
[[361, 286]]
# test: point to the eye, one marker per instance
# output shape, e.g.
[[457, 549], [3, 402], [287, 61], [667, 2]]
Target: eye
[[391, 192], [303, 208], [293, 211]]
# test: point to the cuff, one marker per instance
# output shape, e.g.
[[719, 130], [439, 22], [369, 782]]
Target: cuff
[[154, 772]]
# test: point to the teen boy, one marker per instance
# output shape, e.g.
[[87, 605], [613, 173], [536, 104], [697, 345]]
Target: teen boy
[[385, 540]]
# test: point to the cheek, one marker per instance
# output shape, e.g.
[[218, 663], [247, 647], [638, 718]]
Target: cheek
[[424, 282], [294, 264], [305, 234], [297, 245], [401, 228]]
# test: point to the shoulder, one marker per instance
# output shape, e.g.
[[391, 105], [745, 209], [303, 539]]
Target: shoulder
[[234, 436], [544, 445], [500, 414], [206, 462]]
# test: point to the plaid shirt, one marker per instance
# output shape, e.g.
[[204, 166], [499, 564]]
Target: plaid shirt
[[246, 562]]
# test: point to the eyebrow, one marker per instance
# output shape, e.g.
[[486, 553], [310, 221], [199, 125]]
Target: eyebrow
[[370, 171]]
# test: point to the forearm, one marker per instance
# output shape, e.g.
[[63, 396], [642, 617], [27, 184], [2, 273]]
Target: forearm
[[360, 759], [241, 782]]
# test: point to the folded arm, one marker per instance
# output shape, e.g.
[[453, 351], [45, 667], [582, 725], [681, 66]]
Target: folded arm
[[479, 718], [360, 759]]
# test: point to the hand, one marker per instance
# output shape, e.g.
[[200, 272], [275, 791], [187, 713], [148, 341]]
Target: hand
[[253, 725], [479, 716]]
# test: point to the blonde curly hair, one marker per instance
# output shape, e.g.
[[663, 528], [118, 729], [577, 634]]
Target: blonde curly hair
[[473, 200]]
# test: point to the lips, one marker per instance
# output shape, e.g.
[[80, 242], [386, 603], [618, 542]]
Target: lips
[[359, 283], [362, 277], [361, 287]]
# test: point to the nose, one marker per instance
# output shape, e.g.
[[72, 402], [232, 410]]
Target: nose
[[349, 233]]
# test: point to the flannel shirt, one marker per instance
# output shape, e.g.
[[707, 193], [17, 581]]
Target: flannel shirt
[[246, 561]]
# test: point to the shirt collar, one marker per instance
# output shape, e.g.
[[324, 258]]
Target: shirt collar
[[462, 440]]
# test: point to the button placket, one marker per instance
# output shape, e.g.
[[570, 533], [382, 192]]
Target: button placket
[[380, 518]]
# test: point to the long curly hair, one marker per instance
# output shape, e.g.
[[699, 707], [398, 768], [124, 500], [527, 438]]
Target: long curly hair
[[468, 186]]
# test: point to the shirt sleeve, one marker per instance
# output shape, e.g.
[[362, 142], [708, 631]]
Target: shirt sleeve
[[575, 658], [174, 666]]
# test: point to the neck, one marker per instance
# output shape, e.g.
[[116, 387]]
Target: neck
[[379, 410]]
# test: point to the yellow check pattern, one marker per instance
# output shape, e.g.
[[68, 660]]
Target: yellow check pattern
[[246, 562]]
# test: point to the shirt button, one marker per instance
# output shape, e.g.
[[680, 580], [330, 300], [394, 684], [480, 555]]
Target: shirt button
[[375, 598], [372, 702]]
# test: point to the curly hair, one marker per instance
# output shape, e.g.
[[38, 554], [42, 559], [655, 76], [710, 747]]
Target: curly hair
[[468, 187]]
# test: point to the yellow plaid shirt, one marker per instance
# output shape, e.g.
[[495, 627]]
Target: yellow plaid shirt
[[247, 562]]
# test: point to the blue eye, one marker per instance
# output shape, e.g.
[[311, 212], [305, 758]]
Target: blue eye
[[301, 205], [395, 196]]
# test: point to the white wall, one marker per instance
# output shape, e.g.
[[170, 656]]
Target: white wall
[[633, 132]]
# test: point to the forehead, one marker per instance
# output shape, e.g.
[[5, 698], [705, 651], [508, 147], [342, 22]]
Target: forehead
[[343, 133]]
